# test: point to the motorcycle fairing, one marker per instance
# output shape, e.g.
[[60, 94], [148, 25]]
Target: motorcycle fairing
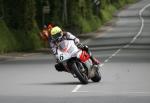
[[84, 56], [66, 50]]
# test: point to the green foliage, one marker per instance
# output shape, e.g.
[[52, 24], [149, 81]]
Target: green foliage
[[1, 9], [18, 29], [29, 14], [27, 41], [19, 19], [106, 14], [56, 12], [83, 15], [39, 12], [88, 25], [84, 25], [7, 40], [19, 14]]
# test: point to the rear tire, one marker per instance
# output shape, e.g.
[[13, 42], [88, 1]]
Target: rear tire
[[81, 76]]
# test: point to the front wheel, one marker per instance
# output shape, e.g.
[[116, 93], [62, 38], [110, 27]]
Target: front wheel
[[80, 75], [97, 76]]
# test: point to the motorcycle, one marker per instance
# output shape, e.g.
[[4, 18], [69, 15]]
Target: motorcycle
[[77, 62]]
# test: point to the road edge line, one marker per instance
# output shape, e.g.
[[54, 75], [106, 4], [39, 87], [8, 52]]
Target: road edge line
[[76, 88]]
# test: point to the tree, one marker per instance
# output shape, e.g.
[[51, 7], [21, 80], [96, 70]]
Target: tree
[[1, 9], [29, 14], [19, 14]]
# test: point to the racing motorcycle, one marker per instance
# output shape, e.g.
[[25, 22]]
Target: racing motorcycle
[[77, 62]]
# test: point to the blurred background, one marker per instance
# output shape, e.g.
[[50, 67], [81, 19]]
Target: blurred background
[[22, 20]]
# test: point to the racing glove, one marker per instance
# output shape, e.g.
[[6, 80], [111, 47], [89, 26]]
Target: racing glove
[[80, 45]]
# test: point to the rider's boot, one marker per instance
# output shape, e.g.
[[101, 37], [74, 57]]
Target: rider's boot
[[60, 68]]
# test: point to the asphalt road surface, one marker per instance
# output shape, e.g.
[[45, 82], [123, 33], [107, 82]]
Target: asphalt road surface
[[124, 49]]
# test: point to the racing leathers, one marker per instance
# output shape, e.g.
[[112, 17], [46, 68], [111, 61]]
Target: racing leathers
[[66, 36]]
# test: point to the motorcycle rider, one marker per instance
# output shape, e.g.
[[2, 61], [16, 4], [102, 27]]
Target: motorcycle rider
[[57, 35]]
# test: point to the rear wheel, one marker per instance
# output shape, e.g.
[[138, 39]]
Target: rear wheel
[[80, 75]]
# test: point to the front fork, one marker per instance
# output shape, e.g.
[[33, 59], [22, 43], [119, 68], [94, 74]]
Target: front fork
[[86, 48]]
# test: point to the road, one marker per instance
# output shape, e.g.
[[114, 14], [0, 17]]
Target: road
[[124, 49]]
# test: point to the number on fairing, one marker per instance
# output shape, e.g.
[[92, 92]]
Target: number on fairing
[[61, 57]]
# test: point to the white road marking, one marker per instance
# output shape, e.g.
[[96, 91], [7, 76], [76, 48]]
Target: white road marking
[[76, 88], [126, 46], [106, 60], [101, 65], [114, 54]]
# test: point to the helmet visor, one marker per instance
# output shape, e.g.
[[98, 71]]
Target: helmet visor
[[56, 36]]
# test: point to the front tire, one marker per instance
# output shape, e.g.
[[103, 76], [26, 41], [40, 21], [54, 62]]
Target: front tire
[[81, 76], [97, 76]]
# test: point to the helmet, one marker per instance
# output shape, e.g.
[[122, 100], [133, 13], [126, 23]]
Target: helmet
[[56, 33], [55, 30]]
